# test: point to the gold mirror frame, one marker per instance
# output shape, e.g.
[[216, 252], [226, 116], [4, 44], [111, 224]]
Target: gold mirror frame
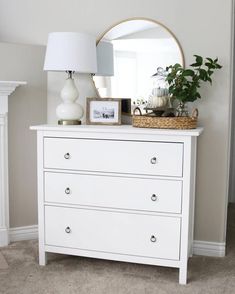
[[139, 18]]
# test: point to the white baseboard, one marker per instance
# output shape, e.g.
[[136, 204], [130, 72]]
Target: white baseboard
[[23, 233], [199, 247], [209, 248], [4, 237]]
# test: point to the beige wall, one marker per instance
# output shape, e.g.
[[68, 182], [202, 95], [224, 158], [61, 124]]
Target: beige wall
[[27, 106], [202, 27]]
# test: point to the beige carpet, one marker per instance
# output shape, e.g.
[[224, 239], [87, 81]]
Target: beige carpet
[[3, 263], [70, 275]]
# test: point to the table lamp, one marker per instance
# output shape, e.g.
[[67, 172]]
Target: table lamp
[[70, 52]]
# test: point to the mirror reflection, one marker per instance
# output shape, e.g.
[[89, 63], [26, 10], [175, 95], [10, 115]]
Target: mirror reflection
[[130, 57]]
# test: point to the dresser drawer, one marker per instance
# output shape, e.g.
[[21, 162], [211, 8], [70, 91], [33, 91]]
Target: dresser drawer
[[115, 192], [133, 234], [150, 158]]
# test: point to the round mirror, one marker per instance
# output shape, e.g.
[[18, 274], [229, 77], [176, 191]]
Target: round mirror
[[130, 55]]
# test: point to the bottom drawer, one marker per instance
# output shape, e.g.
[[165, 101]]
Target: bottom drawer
[[114, 232]]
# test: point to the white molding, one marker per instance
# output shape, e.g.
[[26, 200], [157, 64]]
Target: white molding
[[204, 248], [4, 189], [213, 249], [4, 238], [23, 233], [6, 88]]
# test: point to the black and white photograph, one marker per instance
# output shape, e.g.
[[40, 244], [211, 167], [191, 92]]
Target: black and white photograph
[[104, 111]]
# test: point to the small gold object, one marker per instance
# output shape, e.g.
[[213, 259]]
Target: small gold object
[[67, 122]]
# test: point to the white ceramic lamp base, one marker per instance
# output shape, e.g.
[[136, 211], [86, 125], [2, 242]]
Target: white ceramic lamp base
[[69, 112]]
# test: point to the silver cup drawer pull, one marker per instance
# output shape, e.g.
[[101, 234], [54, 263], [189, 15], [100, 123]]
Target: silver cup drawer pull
[[153, 160], [153, 239], [67, 156], [67, 191], [154, 197], [68, 230]]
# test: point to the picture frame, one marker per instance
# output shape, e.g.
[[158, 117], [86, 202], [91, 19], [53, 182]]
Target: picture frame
[[103, 111]]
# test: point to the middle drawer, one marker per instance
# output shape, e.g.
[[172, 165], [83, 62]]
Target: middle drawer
[[114, 192]]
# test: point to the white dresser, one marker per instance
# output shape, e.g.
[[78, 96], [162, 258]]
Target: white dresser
[[117, 192]]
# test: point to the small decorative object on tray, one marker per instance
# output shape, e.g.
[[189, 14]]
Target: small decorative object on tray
[[159, 97]]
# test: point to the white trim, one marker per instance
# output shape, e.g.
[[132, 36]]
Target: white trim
[[6, 88], [204, 248], [4, 187], [4, 238], [209, 248], [23, 233]]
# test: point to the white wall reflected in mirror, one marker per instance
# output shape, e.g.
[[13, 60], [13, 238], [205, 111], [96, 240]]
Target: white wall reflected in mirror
[[139, 47]]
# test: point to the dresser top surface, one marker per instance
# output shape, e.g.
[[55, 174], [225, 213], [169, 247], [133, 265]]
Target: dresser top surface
[[123, 129]]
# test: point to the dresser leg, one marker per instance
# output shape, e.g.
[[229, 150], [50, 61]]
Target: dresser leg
[[42, 257], [183, 275]]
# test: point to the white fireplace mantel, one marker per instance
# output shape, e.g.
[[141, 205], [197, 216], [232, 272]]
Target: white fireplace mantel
[[6, 88]]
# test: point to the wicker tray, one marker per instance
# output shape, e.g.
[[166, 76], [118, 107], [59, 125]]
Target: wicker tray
[[146, 121]]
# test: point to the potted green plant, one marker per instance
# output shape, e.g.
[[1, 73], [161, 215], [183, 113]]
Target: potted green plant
[[184, 83]]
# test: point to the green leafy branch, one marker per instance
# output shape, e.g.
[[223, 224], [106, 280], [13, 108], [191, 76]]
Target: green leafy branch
[[184, 83]]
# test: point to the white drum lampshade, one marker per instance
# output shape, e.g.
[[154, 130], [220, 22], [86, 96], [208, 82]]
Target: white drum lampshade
[[70, 52], [105, 59], [105, 67]]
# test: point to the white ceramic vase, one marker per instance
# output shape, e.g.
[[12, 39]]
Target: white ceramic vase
[[69, 109]]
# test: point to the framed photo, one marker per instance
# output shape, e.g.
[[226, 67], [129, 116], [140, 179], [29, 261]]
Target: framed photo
[[103, 111]]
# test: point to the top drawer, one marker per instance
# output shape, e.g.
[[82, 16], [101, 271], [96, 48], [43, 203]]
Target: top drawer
[[134, 157]]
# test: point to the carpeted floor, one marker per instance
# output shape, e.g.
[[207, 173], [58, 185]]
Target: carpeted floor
[[3, 262], [69, 275]]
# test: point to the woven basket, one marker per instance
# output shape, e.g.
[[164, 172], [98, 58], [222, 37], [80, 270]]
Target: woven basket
[[146, 121]]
